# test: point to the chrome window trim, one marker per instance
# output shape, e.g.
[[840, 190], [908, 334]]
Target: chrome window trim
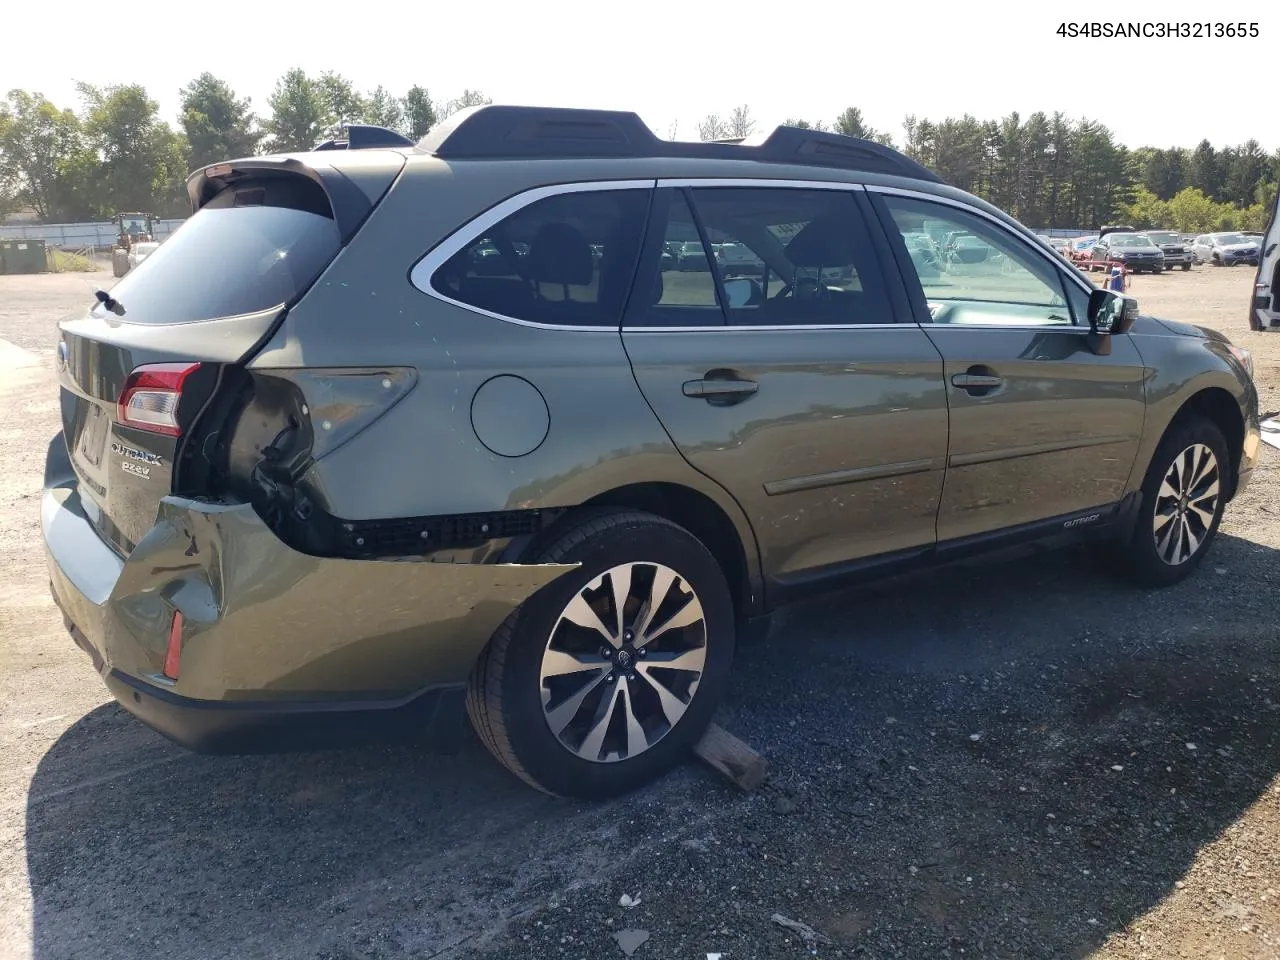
[[757, 182], [773, 328], [996, 221], [420, 273], [1019, 327]]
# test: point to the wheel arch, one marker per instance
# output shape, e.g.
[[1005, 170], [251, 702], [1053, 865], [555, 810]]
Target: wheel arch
[[696, 512], [1217, 405]]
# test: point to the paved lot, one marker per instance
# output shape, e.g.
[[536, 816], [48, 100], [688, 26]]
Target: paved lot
[[1017, 759]]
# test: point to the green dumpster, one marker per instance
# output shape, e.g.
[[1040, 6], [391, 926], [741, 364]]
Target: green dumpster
[[23, 256]]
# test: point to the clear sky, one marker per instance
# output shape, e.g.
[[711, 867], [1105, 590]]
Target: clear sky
[[675, 61]]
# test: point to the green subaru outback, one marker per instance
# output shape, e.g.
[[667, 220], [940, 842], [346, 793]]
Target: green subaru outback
[[388, 427]]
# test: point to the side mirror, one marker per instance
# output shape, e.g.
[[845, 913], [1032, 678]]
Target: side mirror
[[1111, 312], [740, 291]]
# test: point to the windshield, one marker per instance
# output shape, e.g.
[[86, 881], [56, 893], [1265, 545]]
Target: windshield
[[226, 261], [1229, 238], [1131, 240], [1165, 237]]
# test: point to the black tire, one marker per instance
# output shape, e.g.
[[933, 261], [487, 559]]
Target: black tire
[[1139, 559], [504, 695], [1186, 266]]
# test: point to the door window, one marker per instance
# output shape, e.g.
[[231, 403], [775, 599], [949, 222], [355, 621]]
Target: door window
[[770, 256], [566, 260], [793, 256], [977, 272]]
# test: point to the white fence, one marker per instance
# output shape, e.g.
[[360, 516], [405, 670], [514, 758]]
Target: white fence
[[76, 235]]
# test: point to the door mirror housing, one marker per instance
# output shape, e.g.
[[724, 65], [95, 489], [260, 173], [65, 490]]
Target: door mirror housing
[[1111, 312], [741, 291]]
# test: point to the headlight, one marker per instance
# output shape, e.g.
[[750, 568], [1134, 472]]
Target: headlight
[[1245, 358]]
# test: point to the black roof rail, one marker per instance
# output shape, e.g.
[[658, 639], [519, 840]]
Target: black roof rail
[[365, 136], [501, 132]]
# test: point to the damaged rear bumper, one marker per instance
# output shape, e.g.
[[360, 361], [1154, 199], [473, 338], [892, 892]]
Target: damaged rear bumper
[[272, 641]]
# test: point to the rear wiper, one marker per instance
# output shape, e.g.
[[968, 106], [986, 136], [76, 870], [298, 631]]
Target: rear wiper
[[115, 306]]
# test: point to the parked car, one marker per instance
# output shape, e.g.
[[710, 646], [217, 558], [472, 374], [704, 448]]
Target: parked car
[[1080, 250], [1264, 312], [318, 467], [737, 260], [965, 248], [923, 253], [692, 256], [1176, 253], [1135, 250], [1225, 249]]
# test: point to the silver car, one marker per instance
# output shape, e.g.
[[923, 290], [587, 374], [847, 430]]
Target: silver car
[[1225, 249]]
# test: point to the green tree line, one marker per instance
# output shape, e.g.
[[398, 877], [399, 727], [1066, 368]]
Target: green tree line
[[1057, 172], [114, 152]]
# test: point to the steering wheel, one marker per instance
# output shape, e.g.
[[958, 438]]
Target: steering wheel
[[806, 288], [809, 288]]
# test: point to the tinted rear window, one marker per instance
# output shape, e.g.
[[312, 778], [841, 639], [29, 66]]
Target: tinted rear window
[[252, 247]]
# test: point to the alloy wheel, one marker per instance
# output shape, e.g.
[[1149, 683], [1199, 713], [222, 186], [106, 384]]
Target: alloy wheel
[[1186, 504], [623, 662]]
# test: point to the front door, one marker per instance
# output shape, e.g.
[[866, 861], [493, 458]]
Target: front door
[[800, 384], [1042, 428]]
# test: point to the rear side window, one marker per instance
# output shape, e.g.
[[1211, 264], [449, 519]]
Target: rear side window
[[254, 246], [565, 260]]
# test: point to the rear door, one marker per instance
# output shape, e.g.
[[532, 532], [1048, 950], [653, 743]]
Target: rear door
[[134, 371], [797, 388], [1042, 428]]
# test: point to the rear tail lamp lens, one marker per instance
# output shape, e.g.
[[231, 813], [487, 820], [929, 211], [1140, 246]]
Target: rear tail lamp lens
[[151, 394]]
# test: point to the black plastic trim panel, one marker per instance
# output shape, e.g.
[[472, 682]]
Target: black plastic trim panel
[[425, 536]]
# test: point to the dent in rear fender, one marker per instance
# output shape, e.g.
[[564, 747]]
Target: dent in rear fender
[[264, 620]]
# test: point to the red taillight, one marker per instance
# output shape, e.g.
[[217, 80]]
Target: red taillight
[[173, 655], [149, 400]]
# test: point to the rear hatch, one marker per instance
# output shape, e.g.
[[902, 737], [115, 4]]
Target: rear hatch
[[136, 369]]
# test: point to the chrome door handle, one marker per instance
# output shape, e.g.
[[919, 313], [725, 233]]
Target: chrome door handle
[[977, 384], [721, 390], [974, 381]]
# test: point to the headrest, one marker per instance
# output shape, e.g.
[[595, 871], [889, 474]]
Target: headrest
[[824, 242], [655, 295], [560, 254]]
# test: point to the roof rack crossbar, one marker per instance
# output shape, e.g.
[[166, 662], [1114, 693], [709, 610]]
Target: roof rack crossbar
[[501, 132], [365, 136]]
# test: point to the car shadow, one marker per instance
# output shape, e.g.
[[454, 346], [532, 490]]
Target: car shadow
[[1018, 758], [921, 733]]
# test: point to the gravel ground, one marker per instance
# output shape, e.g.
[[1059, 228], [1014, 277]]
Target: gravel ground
[[1005, 759]]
